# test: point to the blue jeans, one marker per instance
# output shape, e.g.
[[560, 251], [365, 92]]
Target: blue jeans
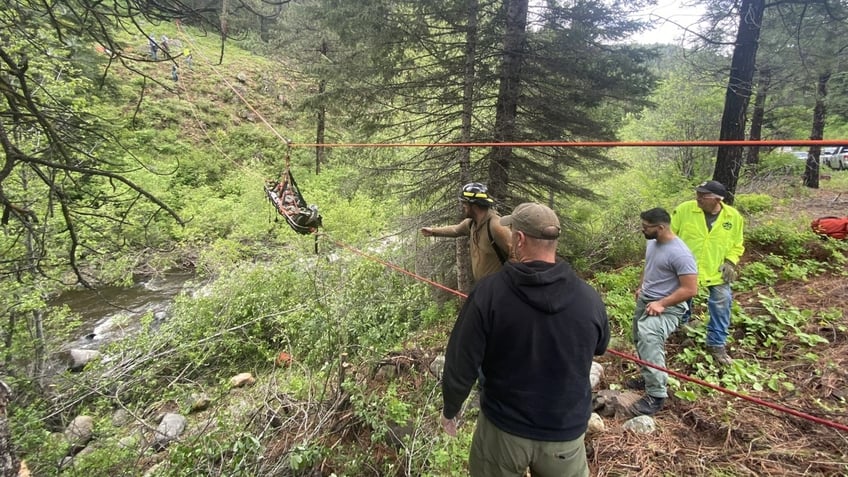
[[719, 304]]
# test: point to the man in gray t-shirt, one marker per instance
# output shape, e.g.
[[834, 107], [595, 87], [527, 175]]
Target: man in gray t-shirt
[[669, 279]]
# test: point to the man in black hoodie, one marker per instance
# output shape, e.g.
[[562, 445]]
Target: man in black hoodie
[[534, 327]]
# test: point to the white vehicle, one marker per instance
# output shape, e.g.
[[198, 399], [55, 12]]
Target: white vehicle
[[836, 158]]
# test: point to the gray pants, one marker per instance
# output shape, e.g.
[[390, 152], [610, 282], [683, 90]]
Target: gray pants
[[649, 335]]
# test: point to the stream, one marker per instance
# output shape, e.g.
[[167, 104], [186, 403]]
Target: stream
[[110, 313]]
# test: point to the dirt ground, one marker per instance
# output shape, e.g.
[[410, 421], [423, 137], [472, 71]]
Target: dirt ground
[[722, 435]]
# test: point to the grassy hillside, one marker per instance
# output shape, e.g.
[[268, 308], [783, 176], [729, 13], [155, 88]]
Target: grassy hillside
[[210, 140]]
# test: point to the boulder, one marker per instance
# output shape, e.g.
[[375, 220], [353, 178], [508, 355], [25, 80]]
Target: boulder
[[596, 373], [399, 434], [170, 428], [65, 463], [242, 379], [641, 425], [596, 424], [121, 417], [609, 403], [129, 442], [199, 403], [76, 359], [79, 432], [386, 372], [154, 470]]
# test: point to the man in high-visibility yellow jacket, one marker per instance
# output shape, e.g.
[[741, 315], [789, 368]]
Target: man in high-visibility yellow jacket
[[713, 231]]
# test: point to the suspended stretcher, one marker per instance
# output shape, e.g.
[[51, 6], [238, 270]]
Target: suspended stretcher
[[289, 202]]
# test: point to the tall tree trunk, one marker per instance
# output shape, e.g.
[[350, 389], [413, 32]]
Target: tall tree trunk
[[811, 170], [729, 158], [7, 342], [468, 82], [33, 258], [463, 257], [40, 355], [224, 13], [514, 50], [759, 114], [320, 152], [264, 24], [9, 461]]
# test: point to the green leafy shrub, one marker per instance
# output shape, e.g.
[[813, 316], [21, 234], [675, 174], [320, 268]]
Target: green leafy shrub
[[306, 306], [220, 255], [602, 234], [835, 255], [449, 455], [779, 164], [617, 289], [743, 374], [106, 457], [780, 238], [753, 203], [768, 333], [755, 274], [215, 452], [34, 440], [772, 268], [801, 270]]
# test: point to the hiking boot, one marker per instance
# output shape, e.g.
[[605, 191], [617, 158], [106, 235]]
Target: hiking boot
[[635, 383], [648, 405], [719, 353]]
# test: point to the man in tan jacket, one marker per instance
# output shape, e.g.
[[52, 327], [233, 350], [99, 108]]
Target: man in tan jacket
[[489, 239]]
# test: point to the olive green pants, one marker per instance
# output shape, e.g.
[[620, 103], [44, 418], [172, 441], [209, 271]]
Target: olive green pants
[[495, 453]]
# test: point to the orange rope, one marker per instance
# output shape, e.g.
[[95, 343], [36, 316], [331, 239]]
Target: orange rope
[[625, 356], [781, 142], [776, 407], [394, 267]]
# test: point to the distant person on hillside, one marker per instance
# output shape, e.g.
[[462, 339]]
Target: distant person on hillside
[[534, 327], [489, 239], [154, 48], [175, 73], [669, 280], [166, 49], [713, 231], [187, 55]]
